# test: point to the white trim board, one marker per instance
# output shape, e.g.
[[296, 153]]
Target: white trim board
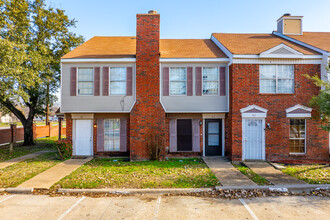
[[98, 60], [193, 60]]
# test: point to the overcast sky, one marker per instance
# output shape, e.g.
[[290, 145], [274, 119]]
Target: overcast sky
[[192, 18]]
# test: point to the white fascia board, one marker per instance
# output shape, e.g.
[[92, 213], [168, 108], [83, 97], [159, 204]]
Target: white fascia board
[[196, 111], [97, 60], [254, 115], [302, 43], [298, 106], [250, 107], [223, 48], [293, 56], [192, 60]]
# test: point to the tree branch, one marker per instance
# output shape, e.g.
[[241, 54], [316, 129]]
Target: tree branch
[[14, 110]]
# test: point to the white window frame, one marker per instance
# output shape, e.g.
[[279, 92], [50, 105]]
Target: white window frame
[[77, 89], [117, 81], [218, 81], [169, 84], [293, 153], [276, 79], [104, 135]]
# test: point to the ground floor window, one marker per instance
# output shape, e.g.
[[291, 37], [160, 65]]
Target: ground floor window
[[184, 135], [297, 135], [111, 134]]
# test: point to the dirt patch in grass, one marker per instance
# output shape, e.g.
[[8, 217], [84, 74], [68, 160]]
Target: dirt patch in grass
[[109, 173], [18, 173], [312, 174], [251, 175], [19, 150]]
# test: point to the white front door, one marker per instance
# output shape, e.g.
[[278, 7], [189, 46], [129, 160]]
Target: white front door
[[253, 139], [83, 138]]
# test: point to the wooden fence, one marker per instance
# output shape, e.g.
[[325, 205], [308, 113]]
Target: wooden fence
[[17, 134]]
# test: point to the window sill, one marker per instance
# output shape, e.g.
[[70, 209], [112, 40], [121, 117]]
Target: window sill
[[276, 94], [297, 154]]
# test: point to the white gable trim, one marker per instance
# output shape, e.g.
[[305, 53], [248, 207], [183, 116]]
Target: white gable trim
[[289, 111], [98, 60], [246, 114], [223, 48], [268, 53]]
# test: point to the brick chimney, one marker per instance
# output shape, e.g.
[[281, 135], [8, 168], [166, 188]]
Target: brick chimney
[[290, 25], [147, 116]]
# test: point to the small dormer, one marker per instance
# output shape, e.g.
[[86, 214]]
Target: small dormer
[[290, 25]]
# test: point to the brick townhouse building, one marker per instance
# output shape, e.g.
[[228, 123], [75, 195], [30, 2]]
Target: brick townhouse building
[[243, 96]]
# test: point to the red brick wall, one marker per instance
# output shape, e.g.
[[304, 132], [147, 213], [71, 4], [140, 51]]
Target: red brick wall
[[147, 115], [244, 87], [68, 130]]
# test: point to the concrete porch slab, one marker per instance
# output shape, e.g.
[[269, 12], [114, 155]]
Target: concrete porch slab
[[226, 173], [273, 175], [47, 178]]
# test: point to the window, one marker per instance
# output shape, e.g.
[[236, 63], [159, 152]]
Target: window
[[210, 80], [297, 135], [117, 80], [276, 79], [178, 81], [111, 134], [85, 81], [184, 135]]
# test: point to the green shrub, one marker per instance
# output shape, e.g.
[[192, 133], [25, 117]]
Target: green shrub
[[64, 148]]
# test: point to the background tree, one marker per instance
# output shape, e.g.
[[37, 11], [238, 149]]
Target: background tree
[[322, 101], [33, 38]]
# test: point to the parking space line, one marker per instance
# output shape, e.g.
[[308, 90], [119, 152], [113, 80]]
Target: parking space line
[[249, 210], [70, 209], [157, 207], [6, 198]]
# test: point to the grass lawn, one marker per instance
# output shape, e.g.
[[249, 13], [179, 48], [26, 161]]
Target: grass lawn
[[18, 173], [109, 173], [19, 150], [252, 175], [312, 174]]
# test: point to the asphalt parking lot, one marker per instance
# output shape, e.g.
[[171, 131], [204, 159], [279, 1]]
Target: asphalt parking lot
[[162, 207]]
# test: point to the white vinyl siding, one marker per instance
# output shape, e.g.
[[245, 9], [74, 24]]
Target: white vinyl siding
[[111, 134], [276, 79], [210, 80], [178, 80], [117, 81], [85, 81]]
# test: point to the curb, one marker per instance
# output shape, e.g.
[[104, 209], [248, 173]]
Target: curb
[[19, 190], [299, 188], [136, 191], [2, 190]]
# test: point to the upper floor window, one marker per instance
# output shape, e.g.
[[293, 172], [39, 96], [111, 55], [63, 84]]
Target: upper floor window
[[117, 80], [178, 81], [210, 80], [85, 81], [276, 78]]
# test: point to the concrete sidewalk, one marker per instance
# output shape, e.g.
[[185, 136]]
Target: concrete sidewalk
[[273, 175], [47, 178], [8, 163], [227, 174]]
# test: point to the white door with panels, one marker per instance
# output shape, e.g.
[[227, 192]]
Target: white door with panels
[[253, 139], [83, 138]]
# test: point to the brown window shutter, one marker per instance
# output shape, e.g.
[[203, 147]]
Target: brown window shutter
[[123, 134], [100, 135], [105, 83], [166, 82], [222, 77], [195, 135], [96, 81], [189, 81], [73, 81], [198, 81], [129, 84], [173, 136]]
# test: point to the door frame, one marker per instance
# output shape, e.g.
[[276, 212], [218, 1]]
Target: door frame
[[74, 130], [222, 135], [263, 136]]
